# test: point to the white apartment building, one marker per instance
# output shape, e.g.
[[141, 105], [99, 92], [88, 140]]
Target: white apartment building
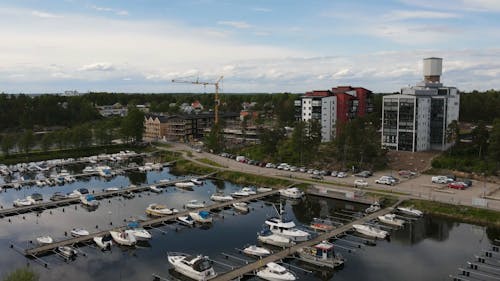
[[322, 109]]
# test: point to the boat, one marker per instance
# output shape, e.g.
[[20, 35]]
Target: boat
[[111, 189], [201, 217], [373, 208], [128, 194], [24, 202], [124, 238], [240, 193], [322, 224], [410, 211], [194, 204], [241, 206], [78, 232], [138, 232], [264, 189], [256, 251], [74, 194], [58, 196], [104, 171], [370, 231], [158, 210], [44, 240], [195, 267], [89, 200], [321, 254], [155, 189], [37, 197], [275, 272], [220, 197], [40, 183], [184, 184], [186, 220], [67, 251], [267, 237], [197, 181], [292, 192], [286, 227], [249, 190], [104, 242], [391, 220], [89, 170]]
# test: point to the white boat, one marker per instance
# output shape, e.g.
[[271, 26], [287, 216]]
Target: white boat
[[201, 217], [275, 272], [155, 189], [321, 254], [28, 201], [104, 171], [410, 211], [249, 190], [391, 220], [104, 242], [74, 194], [40, 183], [292, 192], [78, 232], [240, 193], [264, 189], [111, 189], [140, 233], [195, 267], [370, 231], [67, 251], [197, 181], [267, 237], [254, 250], [89, 170], [285, 227], [194, 204], [158, 210], [221, 197], [124, 238], [89, 200], [241, 206], [186, 220], [373, 208], [44, 240], [184, 184]]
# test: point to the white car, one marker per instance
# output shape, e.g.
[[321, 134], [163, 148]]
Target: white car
[[341, 175], [385, 180], [441, 179], [360, 183]]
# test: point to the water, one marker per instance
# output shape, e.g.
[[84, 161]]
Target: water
[[429, 249]]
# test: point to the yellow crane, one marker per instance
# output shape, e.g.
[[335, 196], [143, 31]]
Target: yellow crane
[[216, 84]]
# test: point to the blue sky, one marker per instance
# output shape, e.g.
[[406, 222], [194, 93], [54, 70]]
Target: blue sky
[[259, 46]]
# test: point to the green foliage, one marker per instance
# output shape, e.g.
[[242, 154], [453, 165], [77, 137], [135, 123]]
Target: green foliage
[[214, 141], [494, 142], [46, 142], [8, 142], [210, 162], [132, 126], [480, 106], [23, 274], [27, 141]]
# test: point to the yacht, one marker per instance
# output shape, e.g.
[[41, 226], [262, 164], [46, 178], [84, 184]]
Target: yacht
[[184, 184], [240, 193], [292, 192], [186, 220], [410, 211], [40, 183], [194, 204], [67, 251], [267, 237], [37, 197], [322, 224], [370, 231], [201, 217], [264, 189], [256, 251], [111, 189], [197, 181], [275, 272], [58, 196], [158, 210], [89, 170], [321, 254], [44, 240], [195, 267], [220, 197], [286, 228], [104, 171], [78, 232], [24, 202], [241, 206], [89, 200], [103, 242], [138, 232], [373, 208], [155, 189], [391, 220], [124, 238], [249, 190]]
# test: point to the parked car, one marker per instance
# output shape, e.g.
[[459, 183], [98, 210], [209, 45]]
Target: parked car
[[457, 185], [341, 175], [441, 179], [317, 177], [406, 174], [293, 169], [323, 172], [364, 174], [360, 183], [310, 171], [302, 169], [467, 182], [452, 177], [388, 180], [240, 158], [334, 173]]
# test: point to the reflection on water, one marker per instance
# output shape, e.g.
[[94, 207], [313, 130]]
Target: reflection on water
[[412, 254]]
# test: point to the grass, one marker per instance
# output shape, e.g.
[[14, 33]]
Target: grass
[[184, 166], [169, 156], [211, 163]]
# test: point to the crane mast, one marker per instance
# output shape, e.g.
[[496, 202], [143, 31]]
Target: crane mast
[[216, 84]]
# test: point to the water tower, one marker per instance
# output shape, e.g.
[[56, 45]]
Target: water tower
[[433, 69]]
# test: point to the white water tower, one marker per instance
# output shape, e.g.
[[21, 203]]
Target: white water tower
[[433, 68]]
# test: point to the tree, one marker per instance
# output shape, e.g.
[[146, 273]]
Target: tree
[[494, 147], [7, 144], [27, 141], [132, 126], [452, 132], [46, 142], [23, 274], [480, 137], [214, 141]]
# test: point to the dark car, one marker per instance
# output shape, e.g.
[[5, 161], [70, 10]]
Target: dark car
[[364, 174], [467, 182], [453, 177]]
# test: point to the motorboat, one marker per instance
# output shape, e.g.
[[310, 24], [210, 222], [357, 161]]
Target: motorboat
[[40, 183], [104, 242], [67, 251], [249, 190], [321, 254], [111, 189], [44, 240], [155, 189], [197, 181], [184, 184], [104, 171], [241, 206], [221, 197], [24, 202], [186, 220], [370, 231], [410, 211], [139, 233], [128, 195], [37, 197], [83, 191], [256, 251], [74, 194], [89, 200], [391, 220], [275, 272], [201, 217], [373, 208], [322, 224], [58, 196], [158, 210], [267, 237], [194, 204], [78, 232], [286, 227], [240, 193], [293, 193], [195, 267], [124, 238], [89, 170], [264, 189]]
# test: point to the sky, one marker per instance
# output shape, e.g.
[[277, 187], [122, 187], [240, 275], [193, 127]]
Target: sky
[[49, 46]]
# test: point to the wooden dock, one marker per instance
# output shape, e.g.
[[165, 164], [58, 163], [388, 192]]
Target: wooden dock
[[333, 194], [146, 224], [252, 267], [61, 203]]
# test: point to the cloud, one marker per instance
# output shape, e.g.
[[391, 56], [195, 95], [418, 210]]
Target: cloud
[[262, 10], [235, 24], [418, 14], [457, 5], [98, 66], [43, 15], [115, 11]]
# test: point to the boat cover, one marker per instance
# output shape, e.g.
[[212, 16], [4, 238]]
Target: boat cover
[[204, 214]]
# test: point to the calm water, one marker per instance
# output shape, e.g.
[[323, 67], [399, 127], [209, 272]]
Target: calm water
[[429, 249]]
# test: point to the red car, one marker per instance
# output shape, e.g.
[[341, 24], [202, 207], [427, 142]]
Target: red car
[[457, 185]]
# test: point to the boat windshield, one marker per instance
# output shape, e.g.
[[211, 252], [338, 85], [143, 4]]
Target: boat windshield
[[202, 265]]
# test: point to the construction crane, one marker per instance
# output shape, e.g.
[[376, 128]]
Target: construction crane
[[216, 84]]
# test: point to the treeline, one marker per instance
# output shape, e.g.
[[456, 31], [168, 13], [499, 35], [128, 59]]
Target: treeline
[[480, 106]]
